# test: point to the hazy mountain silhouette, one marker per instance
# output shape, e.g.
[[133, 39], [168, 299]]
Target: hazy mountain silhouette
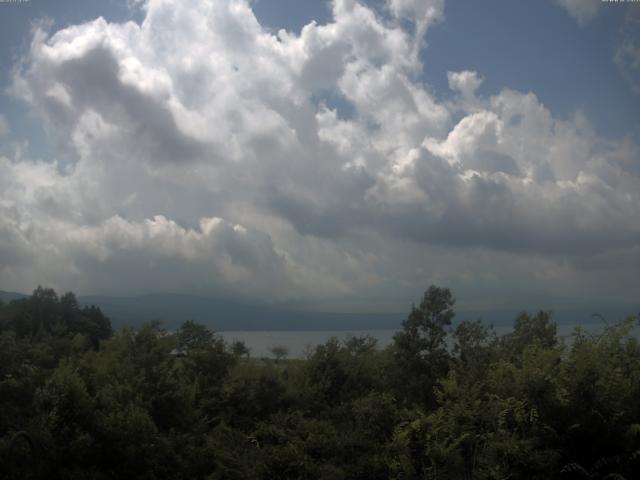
[[221, 314], [6, 297], [224, 315]]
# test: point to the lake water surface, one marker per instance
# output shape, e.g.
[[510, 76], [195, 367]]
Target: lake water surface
[[299, 341]]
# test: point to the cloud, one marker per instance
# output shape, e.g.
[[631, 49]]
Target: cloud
[[627, 53], [199, 152], [465, 82], [583, 11], [4, 126], [423, 13], [51, 233]]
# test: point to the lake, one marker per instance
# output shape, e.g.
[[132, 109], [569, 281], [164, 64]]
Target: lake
[[299, 341]]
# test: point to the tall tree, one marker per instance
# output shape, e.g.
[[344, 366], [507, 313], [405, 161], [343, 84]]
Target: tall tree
[[420, 348]]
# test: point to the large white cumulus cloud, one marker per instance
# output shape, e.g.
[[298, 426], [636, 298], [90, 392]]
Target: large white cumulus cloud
[[200, 152]]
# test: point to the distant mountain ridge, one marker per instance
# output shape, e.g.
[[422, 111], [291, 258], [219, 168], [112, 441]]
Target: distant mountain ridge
[[228, 315], [6, 297], [225, 315]]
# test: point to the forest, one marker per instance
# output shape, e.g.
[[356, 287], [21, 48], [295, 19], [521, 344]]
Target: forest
[[446, 400]]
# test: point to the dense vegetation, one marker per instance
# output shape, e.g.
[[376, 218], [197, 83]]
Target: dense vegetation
[[79, 401]]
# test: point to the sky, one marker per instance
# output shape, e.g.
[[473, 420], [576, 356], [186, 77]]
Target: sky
[[339, 155]]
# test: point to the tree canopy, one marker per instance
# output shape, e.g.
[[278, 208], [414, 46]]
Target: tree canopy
[[443, 401]]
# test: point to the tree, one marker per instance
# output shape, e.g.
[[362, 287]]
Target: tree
[[528, 329], [279, 351], [240, 349], [473, 347], [421, 350], [192, 335], [206, 364]]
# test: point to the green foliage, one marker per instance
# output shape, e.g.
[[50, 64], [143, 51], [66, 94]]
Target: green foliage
[[78, 401], [279, 351], [45, 317], [420, 348], [527, 330], [240, 349]]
